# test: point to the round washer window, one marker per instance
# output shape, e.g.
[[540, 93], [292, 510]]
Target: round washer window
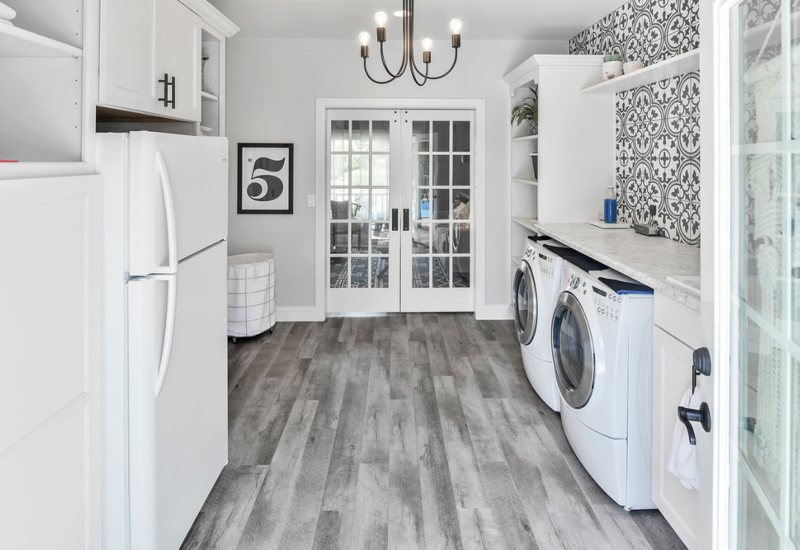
[[573, 351], [526, 304]]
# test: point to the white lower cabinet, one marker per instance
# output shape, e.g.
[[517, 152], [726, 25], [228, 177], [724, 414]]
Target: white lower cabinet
[[675, 338], [150, 58], [49, 363]]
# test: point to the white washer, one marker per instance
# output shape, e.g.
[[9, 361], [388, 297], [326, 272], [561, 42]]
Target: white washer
[[537, 285], [601, 336]]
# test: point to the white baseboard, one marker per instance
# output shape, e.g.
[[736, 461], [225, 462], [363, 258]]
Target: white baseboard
[[308, 314], [494, 313]]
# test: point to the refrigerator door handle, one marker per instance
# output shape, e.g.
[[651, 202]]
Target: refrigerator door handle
[[169, 210], [169, 332]]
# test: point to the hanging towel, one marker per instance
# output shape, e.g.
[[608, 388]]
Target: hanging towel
[[683, 460]]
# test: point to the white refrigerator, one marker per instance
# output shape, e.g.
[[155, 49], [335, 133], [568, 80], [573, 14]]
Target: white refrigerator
[[165, 434]]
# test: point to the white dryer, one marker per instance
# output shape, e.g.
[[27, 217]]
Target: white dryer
[[601, 336], [537, 285]]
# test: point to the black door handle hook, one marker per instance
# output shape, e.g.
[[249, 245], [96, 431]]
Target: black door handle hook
[[701, 415]]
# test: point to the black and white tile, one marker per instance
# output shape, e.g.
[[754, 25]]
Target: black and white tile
[[658, 126]]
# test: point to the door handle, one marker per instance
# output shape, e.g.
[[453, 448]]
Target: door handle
[[165, 82], [394, 219], [405, 219], [701, 415], [174, 87], [701, 365]]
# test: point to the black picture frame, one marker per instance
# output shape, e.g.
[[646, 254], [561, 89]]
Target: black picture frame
[[243, 187]]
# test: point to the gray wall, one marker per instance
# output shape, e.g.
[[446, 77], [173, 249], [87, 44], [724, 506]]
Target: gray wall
[[272, 90], [658, 126]]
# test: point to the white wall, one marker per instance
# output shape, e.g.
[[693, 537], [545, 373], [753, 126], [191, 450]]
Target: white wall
[[272, 90]]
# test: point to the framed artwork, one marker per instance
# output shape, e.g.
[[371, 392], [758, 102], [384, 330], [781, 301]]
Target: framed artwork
[[266, 178]]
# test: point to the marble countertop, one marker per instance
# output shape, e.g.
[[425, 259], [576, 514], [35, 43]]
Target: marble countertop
[[666, 266]]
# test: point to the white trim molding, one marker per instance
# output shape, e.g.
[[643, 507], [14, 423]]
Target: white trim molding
[[306, 314], [478, 106], [212, 16], [494, 313]]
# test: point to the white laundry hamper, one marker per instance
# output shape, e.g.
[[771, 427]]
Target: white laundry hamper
[[251, 294]]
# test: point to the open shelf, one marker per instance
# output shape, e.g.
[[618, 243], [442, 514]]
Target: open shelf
[[526, 138], [525, 181], [17, 42], [209, 96], [678, 65], [527, 223]]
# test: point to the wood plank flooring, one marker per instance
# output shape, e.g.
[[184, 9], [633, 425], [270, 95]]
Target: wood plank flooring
[[402, 431]]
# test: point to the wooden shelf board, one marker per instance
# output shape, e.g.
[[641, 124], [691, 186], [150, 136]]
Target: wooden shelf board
[[206, 129], [526, 138], [674, 66], [16, 42], [209, 96], [525, 181], [527, 223]]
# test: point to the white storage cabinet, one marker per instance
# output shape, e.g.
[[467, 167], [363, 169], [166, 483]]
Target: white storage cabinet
[[251, 294]]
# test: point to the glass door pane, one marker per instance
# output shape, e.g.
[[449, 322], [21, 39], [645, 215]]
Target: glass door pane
[[765, 168]]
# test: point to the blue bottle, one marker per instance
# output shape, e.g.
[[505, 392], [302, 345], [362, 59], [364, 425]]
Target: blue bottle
[[610, 207]]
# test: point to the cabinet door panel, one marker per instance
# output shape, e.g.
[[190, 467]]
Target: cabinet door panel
[[179, 36], [128, 56], [672, 377]]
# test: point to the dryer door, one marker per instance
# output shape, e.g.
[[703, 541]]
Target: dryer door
[[526, 303], [573, 351]]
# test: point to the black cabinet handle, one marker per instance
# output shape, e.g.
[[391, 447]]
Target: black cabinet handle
[[405, 219], [165, 82], [701, 415], [394, 219], [172, 84], [701, 366]]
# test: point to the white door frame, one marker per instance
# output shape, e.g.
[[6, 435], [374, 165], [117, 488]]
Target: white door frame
[[325, 104]]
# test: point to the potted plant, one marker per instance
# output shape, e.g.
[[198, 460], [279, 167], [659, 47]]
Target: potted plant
[[528, 111], [612, 66]]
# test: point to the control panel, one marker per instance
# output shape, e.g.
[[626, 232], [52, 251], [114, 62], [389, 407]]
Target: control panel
[[607, 304]]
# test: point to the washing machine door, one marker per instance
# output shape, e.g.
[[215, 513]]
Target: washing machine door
[[526, 303], [573, 351]]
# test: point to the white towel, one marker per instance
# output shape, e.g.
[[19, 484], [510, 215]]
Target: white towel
[[683, 460]]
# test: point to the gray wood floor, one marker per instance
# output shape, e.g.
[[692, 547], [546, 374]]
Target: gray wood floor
[[405, 431]]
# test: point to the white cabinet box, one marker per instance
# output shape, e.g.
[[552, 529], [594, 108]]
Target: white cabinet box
[[147, 68]]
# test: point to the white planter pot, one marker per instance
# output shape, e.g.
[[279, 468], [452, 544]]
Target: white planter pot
[[632, 66], [612, 69]]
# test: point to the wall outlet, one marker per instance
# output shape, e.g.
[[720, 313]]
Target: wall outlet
[[311, 201]]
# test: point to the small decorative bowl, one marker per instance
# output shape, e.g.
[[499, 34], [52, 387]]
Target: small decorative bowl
[[632, 66]]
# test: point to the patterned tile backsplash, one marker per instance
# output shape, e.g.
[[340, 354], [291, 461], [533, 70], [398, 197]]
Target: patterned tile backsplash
[[658, 126]]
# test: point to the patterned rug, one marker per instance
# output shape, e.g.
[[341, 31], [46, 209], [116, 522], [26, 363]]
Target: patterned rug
[[360, 275]]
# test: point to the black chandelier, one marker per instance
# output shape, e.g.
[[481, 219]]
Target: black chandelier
[[420, 77]]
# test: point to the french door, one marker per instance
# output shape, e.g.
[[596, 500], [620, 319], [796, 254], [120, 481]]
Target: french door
[[760, 227], [400, 230]]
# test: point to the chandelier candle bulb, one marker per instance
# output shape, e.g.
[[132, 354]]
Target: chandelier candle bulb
[[455, 26], [380, 19], [427, 44], [364, 39]]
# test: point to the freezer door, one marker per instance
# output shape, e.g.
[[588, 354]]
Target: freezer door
[[178, 423], [178, 198]]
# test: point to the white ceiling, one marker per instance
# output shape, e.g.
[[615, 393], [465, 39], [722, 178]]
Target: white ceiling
[[483, 19]]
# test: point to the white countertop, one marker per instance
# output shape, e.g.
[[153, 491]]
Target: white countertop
[[666, 266]]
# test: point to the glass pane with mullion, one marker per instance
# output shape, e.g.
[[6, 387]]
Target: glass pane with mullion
[[440, 173], [421, 174], [421, 204], [794, 490], [794, 222], [338, 275], [441, 272], [420, 136], [462, 171], [340, 136], [380, 238], [340, 170], [360, 171], [421, 238], [441, 136], [420, 272], [462, 136], [755, 528], [380, 210], [339, 238], [359, 207], [461, 238], [380, 136], [440, 206], [359, 273], [795, 39], [461, 204], [380, 170], [380, 272], [461, 271], [359, 138], [441, 238], [359, 238], [340, 204]]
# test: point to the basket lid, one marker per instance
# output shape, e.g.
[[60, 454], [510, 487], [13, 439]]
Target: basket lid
[[249, 259]]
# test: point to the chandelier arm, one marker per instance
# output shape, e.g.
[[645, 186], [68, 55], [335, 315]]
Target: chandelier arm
[[400, 71], [450, 70], [375, 80]]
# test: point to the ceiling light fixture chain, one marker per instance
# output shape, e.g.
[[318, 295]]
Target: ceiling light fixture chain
[[420, 77]]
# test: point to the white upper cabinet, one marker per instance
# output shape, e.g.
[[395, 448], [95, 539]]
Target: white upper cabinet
[[150, 58]]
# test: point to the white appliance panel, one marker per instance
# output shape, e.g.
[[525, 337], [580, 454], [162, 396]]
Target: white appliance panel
[[179, 438], [178, 189]]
